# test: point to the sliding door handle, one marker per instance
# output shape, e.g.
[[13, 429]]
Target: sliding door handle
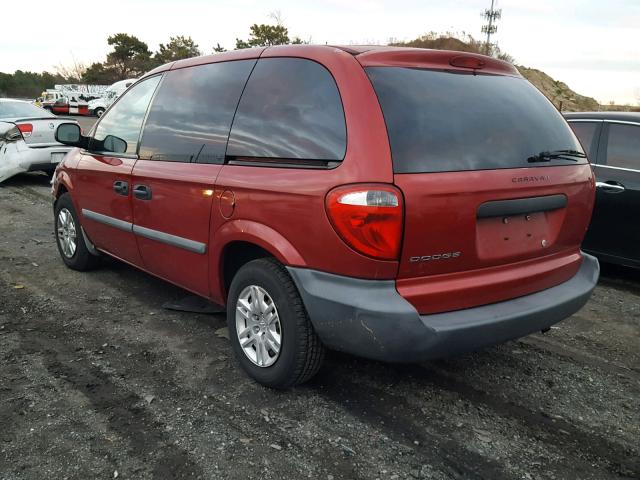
[[142, 192]]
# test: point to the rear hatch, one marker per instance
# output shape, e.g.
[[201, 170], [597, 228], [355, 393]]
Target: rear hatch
[[498, 192]]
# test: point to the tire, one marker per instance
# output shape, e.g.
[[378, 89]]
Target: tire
[[98, 112], [300, 353], [66, 220]]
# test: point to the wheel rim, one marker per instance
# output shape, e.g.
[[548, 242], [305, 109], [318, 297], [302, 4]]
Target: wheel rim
[[258, 326], [99, 113], [66, 233]]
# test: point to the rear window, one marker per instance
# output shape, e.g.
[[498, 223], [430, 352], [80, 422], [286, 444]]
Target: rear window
[[10, 110], [443, 121]]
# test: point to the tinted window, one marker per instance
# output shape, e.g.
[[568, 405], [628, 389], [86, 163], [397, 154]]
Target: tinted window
[[191, 115], [442, 121], [9, 109], [623, 148], [124, 120], [585, 132], [290, 108]]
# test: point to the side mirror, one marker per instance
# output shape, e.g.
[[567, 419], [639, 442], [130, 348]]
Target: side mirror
[[114, 144], [70, 134]]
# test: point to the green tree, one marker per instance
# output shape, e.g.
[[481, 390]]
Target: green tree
[[178, 48], [265, 36], [99, 74], [130, 56], [22, 84]]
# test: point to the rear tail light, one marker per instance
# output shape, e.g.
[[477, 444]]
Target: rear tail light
[[369, 218], [26, 129]]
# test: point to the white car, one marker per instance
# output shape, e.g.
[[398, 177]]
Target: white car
[[27, 139]]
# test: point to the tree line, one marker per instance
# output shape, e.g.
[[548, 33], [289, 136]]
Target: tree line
[[130, 57]]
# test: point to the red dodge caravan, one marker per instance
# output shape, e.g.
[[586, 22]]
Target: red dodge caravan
[[397, 204]]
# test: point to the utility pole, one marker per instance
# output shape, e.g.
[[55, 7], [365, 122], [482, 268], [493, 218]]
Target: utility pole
[[491, 15]]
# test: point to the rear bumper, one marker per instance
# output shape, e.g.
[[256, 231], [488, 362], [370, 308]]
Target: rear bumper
[[370, 319], [40, 158]]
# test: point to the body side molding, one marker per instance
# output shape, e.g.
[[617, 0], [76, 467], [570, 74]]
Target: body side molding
[[107, 220], [169, 239], [173, 240]]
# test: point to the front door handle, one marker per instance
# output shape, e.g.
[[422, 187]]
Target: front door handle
[[121, 187], [612, 187], [143, 192]]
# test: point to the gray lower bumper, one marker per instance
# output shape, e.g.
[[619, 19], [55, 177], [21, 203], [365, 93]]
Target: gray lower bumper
[[369, 318]]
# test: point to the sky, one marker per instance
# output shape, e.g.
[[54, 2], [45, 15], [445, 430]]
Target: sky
[[593, 46]]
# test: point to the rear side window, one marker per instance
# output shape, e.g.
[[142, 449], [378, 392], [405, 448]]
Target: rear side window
[[443, 121], [290, 109], [623, 147], [191, 114], [586, 133]]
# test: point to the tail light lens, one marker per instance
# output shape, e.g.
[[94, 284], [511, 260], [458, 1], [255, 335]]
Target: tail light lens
[[26, 129], [369, 218]]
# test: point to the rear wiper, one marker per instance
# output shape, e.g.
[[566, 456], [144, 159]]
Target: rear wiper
[[572, 155]]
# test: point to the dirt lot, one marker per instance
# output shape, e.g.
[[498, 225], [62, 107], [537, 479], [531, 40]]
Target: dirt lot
[[97, 380]]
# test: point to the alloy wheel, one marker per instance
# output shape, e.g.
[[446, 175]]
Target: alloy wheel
[[66, 233], [258, 326]]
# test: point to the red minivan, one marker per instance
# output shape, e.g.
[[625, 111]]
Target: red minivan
[[397, 204]]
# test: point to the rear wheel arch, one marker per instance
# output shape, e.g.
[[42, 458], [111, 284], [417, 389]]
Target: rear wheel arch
[[235, 255], [246, 240]]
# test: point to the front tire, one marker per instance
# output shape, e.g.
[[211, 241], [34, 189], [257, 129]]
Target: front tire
[[98, 112], [269, 329], [69, 238]]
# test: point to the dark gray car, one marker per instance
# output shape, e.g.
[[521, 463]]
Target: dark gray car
[[612, 143]]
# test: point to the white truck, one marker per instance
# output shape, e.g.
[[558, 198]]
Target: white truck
[[99, 105], [48, 98], [65, 98]]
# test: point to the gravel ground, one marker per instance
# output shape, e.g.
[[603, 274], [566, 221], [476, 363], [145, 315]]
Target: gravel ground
[[97, 380]]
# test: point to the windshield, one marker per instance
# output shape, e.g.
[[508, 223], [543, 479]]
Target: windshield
[[443, 121], [11, 109]]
